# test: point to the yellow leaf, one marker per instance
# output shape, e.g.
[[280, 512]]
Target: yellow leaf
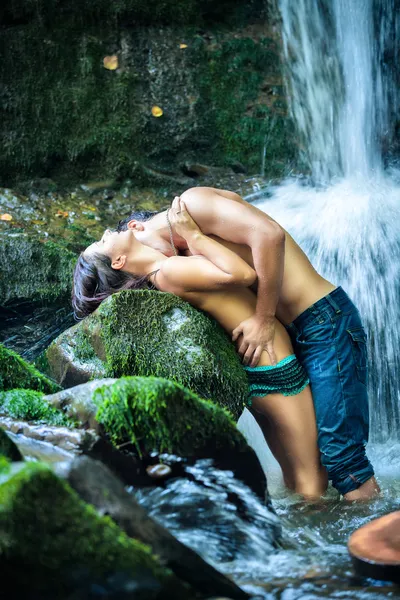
[[110, 62], [5, 217], [156, 111], [182, 45], [61, 213]]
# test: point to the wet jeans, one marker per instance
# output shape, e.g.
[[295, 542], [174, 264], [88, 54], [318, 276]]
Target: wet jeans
[[330, 342]]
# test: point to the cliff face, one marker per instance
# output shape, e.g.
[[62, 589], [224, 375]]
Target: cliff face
[[121, 88]]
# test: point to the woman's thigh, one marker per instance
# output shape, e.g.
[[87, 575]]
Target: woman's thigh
[[289, 426]]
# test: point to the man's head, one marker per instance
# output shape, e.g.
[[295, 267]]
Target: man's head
[[147, 227], [135, 219]]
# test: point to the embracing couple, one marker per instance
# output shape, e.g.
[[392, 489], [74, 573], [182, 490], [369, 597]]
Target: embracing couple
[[300, 338]]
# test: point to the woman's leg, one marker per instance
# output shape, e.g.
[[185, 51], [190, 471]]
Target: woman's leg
[[289, 427]]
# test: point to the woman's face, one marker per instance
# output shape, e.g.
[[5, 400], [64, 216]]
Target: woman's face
[[113, 244]]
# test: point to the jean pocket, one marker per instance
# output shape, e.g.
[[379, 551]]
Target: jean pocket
[[317, 331], [360, 353]]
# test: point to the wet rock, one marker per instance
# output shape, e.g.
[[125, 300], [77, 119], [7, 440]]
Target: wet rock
[[95, 187], [77, 402], [158, 471], [53, 542], [15, 372], [33, 269], [99, 487], [153, 415], [8, 448], [151, 333], [73, 441]]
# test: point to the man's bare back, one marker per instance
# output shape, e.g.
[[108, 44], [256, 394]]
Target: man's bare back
[[301, 287]]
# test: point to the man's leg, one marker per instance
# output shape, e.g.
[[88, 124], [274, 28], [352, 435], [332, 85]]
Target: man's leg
[[330, 342]]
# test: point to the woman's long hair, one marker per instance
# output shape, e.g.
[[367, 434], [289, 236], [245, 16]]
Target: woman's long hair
[[95, 280]]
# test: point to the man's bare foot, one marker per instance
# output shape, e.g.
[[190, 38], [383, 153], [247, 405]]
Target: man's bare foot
[[368, 490]]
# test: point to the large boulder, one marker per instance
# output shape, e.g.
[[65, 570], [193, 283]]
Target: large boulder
[[52, 542], [15, 372], [149, 416], [150, 333]]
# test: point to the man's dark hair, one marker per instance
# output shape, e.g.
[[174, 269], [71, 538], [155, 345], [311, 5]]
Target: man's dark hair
[[137, 215]]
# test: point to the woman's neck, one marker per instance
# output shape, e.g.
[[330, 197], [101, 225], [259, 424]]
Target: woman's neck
[[145, 260]]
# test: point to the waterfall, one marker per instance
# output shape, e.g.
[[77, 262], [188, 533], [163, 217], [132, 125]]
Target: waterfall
[[343, 98]]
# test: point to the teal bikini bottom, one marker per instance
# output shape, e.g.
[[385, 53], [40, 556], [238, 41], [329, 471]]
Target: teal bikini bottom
[[287, 377]]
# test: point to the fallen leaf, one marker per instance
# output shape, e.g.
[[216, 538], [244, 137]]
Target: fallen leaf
[[5, 217], [61, 213], [156, 111], [182, 45], [110, 62]]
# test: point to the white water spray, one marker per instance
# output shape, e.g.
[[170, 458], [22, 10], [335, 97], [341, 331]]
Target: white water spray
[[342, 100]]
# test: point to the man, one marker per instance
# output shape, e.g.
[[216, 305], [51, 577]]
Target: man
[[324, 325]]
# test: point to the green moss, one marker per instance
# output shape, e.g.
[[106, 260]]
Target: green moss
[[61, 109], [8, 450], [241, 119], [34, 270], [47, 528], [153, 333], [158, 415], [4, 465], [31, 406], [15, 372]]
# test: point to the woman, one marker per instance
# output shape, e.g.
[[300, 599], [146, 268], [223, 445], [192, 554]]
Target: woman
[[216, 280]]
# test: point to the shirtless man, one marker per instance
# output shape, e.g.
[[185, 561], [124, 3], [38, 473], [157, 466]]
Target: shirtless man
[[323, 323]]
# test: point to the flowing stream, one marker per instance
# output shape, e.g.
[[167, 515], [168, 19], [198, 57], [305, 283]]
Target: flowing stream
[[345, 215]]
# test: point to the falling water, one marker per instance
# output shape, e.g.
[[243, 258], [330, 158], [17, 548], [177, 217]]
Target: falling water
[[343, 97]]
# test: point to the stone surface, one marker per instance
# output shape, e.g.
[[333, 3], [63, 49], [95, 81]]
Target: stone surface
[[98, 486], [51, 541], [32, 269], [8, 448], [212, 68], [17, 373], [150, 333]]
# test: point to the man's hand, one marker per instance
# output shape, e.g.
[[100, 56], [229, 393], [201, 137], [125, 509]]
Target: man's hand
[[181, 220], [258, 335]]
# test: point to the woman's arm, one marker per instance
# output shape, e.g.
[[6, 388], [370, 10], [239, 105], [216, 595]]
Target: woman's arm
[[213, 266]]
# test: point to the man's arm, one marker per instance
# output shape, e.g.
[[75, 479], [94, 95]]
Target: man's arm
[[226, 215]]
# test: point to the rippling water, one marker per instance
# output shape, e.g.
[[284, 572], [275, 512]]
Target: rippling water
[[222, 520]]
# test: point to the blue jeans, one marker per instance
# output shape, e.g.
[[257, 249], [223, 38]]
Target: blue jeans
[[330, 342]]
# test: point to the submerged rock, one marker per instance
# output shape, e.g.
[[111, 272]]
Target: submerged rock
[[15, 372], [150, 333], [52, 542]]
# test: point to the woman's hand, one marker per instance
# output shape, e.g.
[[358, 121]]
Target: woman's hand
[[181, 220]]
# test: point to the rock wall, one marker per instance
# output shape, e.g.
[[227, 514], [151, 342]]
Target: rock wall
[[121, 88]]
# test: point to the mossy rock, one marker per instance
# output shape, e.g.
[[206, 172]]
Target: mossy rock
[[15, 372], [157, 415], [8, 450], [34, 270], [222, 60], [149, 333], [50, 541], [31, 406]]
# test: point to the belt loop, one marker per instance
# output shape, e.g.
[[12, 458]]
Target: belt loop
[[332, 302]]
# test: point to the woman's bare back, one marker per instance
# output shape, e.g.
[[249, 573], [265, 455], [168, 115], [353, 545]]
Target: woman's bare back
[[230, 307]]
